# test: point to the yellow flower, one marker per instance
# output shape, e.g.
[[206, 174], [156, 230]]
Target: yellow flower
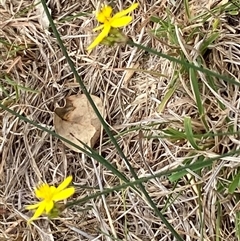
[[49, 195], [108, 21]]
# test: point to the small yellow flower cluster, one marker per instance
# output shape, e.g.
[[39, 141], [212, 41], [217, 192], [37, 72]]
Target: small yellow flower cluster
[[49, 195], [108, 22]]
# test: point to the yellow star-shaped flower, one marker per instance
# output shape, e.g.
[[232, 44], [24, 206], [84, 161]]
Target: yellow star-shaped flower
[[108, 21], [49, 195]]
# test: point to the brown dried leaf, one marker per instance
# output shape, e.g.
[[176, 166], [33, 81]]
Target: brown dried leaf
[[77, 120]]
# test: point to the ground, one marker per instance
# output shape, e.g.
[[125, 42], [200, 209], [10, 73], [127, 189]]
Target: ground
[[162, 114]]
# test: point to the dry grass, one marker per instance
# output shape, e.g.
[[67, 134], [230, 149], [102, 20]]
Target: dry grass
[[31, 57]]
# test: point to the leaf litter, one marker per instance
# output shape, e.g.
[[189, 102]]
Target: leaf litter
[[77, 121]]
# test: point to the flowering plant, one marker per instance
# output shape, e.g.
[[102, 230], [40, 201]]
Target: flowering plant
[[108, 22], [48, 196]]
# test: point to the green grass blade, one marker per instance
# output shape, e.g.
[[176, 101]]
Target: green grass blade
[[208, 41], [234, 184], [197, 95], [186, 8], [173, 134], [17, 86], [166, 97], [198, 165], [186, 64], [4, 91], [189, 133], [171, 173]]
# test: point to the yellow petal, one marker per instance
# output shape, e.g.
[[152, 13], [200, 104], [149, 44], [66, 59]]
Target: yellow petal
[[104, 14], [126, 11], [98, 28], [100, 37], [121, 22], [49, 206], [64, 184], [33, 206], [41, 191], [51, 192], [38, 212], [64, 194], [107, 11]]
